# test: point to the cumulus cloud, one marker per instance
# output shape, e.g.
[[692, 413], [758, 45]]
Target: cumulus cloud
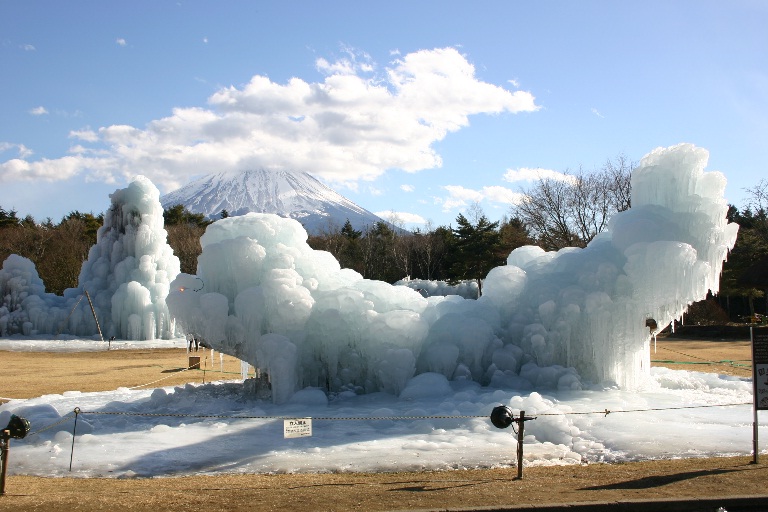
[[23, 151], [536, 174], [461, 197], [402, 218], [38, 111], [353, 125], [120, 41], [86, 135], [353, 63]]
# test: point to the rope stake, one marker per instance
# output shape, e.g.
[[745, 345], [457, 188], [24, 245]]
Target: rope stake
[[74, 433]]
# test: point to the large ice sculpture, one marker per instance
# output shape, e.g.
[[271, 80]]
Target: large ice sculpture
[[126, 275], [546, 319]]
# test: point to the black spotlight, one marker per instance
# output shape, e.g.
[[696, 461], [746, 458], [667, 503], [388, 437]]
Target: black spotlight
[[502, 416], [18, 427]]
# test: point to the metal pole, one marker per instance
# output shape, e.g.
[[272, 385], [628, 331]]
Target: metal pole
[[520, 435], [754, 437], [5, 441], [74, 433], [754, 398], [93, 310]]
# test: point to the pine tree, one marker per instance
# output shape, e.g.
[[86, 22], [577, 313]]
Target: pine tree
[[476, 249]]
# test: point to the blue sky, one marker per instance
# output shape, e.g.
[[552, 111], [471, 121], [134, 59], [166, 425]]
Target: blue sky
[[418, 108]]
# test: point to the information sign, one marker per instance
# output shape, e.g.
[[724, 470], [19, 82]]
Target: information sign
[[760, 362], [297, 427]]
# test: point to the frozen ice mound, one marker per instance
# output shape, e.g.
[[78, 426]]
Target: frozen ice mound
[[547, 319]]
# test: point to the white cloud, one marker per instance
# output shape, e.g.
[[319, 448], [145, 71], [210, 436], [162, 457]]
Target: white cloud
[[23, 151], [28, 47], [463, 194], [45, 169], [461, 197], [86, 135], [407, 188], [120, 41], [205, 40], [402, 218], [351, 126], [597, 113], [529, 175], [503, 195], [38, 111]]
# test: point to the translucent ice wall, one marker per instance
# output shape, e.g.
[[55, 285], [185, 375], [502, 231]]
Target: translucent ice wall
[[546, 319], [127, 276], [466, 289]]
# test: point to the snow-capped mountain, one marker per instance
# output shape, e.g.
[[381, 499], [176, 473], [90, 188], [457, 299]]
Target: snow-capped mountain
[[297, 195]]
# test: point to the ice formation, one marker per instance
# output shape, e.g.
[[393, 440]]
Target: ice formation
[[546, 320], [466, 289], [126, 275]]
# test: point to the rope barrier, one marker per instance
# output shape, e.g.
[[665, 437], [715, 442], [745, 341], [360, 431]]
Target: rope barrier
[[724, 362], [164, 378], [605, 412], [62, 420], [78, 411], [204, 370], [650, 409], [318, 418]]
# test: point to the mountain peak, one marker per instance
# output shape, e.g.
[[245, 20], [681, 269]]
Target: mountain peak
[[293, 194]]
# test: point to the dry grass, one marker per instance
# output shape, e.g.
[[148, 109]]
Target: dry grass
[[33, 374]]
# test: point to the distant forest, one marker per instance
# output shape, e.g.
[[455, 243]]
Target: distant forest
[[557, 214]]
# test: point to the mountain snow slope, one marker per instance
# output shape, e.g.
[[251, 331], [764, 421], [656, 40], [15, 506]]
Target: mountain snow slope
[[297, 195]]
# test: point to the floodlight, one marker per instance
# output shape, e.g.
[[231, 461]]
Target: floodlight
[[18, 427], [502, 416]]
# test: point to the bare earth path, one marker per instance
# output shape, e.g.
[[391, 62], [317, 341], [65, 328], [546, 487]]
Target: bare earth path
[[28, 374]]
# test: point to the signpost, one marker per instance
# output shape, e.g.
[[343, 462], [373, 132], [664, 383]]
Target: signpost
[[297, 427], [759, 380]]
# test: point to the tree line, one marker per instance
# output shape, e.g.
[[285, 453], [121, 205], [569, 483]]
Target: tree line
[[556, 213]]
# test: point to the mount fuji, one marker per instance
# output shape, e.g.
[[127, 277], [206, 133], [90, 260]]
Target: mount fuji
[[296, 195]]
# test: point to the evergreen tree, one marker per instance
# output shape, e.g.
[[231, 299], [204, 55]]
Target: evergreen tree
[[476, 248], [349, 232], [8, 218], [512, 234], [742, 276], [178, 214], [90, 224]]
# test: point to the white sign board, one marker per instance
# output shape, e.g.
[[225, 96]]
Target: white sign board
[[297, 427], [760, 370]]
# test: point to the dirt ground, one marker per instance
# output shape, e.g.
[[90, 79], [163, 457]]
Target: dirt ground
[[30, 374]]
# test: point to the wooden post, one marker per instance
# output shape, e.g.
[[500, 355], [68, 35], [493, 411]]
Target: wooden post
[[5, 441], [520, 434]]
